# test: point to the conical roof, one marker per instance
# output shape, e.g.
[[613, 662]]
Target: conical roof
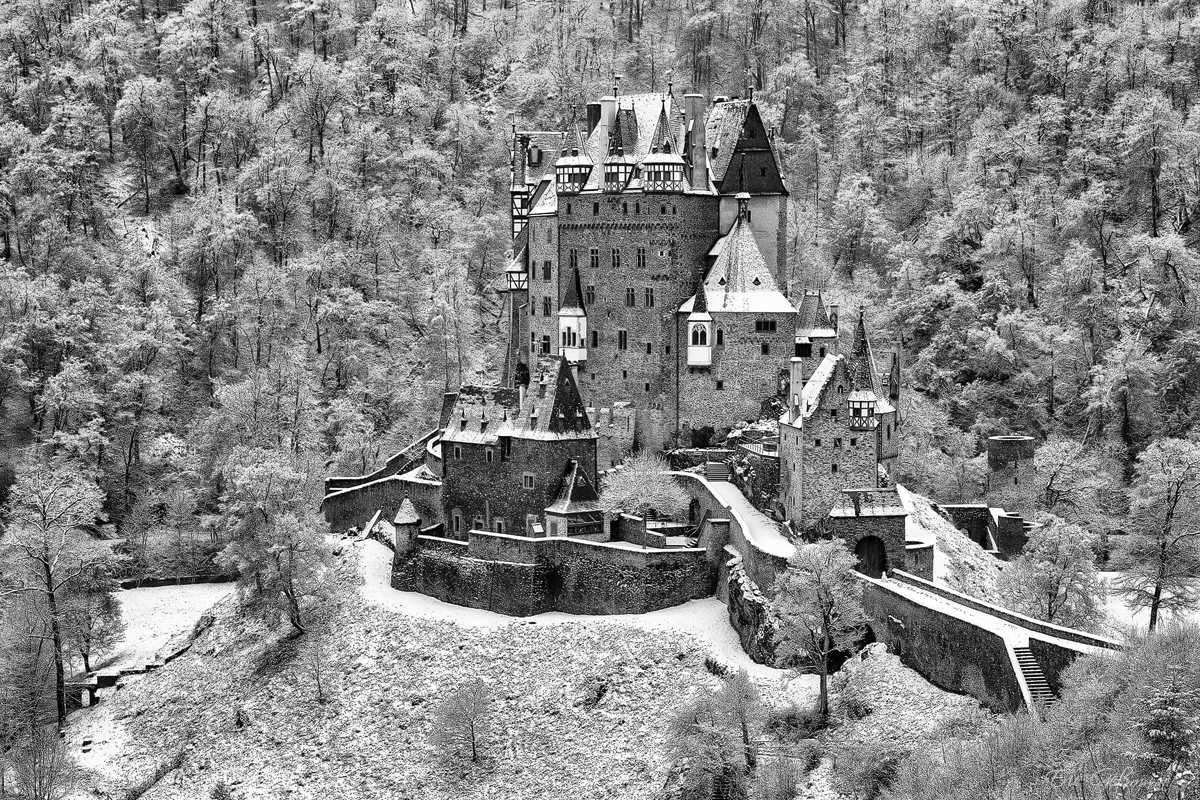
[[573, 300]]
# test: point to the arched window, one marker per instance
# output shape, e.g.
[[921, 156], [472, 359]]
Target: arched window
[[720, 338], [699, 335]]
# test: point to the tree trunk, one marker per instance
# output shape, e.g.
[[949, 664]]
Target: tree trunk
[[60, 688]]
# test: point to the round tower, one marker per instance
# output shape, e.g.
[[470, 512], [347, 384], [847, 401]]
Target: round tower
[[1010, 461]]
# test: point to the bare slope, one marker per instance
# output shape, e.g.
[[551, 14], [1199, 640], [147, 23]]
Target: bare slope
[[582, 708]]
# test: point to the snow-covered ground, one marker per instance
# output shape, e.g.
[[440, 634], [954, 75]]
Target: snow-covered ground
[[153, 615], [705, 619]]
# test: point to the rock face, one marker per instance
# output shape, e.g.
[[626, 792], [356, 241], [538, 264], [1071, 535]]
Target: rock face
[[750, 615]]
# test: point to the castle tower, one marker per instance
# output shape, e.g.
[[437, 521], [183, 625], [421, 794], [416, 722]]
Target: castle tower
[[840, 433]]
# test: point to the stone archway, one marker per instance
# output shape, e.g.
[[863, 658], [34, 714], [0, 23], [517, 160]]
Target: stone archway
[[872, 556]]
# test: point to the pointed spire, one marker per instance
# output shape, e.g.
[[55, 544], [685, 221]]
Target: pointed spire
[[701, 304], [574, 296], [861, 363]]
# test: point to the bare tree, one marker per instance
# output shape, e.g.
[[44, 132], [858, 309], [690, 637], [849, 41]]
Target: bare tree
[[643, 484], [463, 720], [819, 602]]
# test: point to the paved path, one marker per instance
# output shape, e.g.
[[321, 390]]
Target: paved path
[[762, 531], [1013, 634]]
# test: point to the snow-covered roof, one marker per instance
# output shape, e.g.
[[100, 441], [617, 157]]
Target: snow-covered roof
[[552, 409], [577, 495], [740, 280]]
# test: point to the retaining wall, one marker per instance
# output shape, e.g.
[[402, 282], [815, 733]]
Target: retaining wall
[[519, 576], [1028, 623], [949, 652]]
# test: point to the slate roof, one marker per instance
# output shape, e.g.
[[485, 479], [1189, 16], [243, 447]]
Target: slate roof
[[553, 409], [872, 502], [407, 515], [860, 364], [550, 143], [576, 495], [813, 319], [740, 280], [740, 152], [573, 299]]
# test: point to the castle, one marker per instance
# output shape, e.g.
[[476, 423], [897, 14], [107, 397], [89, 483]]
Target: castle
[[649, 308]]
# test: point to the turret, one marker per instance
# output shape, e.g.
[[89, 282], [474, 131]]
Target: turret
[[618, 169], [571, 171], [572, 323], [663, 172], [699, 331]]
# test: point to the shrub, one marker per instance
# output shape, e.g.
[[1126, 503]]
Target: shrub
[[795, 724], [865, 771], [855, 707], [715, 667]]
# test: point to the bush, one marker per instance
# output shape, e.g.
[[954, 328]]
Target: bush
[[715, 667], [865, 771], [795, 724], [855, 707]]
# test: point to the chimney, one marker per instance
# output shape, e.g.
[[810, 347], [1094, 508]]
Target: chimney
[[593, 117], [795, 386], [608, 117], [693, 122]]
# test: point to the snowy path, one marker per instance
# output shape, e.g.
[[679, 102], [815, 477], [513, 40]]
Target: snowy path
[[1013, 634], [706, 619], [760, 529], [153, 615]]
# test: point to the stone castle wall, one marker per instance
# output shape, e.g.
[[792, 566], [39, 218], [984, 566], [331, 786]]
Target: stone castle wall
[[353, 508], [741, 376], [479, 489], [520, 576]]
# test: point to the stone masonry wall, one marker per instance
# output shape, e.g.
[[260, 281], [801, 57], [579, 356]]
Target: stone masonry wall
[[355, 507], [890, 530], [485, 490], [676, 244], [741, 377], [518, 576], [950, 653]]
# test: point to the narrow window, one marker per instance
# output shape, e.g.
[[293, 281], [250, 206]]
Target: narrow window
[[720, 338], [457, 453], [546, 307], [833, 468], [837, 442], [631, 297], [833, 413], [545, 345], [595, 209], [595, 340], [456, 522], [641, 258], [568, 209], [649, 293], [622, 340], [766, 349], [853, 442], [594, 255], [573, 256], [527, 480], [545, 270], [625, 209], [589, 295], [720, 386], [648, 350], [816, 442], [616, 258], [488, 455], [647, 387]]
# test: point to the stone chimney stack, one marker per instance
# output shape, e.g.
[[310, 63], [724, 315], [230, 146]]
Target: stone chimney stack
[[693, 120], [795, 387]]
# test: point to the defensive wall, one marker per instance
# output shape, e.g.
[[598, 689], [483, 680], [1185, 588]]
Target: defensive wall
[[403, 461], [521, 576], [354, 506]]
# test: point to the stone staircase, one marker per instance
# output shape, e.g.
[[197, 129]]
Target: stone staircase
[[716, 471], [1035, 679]]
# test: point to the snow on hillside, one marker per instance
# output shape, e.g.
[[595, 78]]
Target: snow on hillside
[[153, 615], [959, 563], [582, 703]]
